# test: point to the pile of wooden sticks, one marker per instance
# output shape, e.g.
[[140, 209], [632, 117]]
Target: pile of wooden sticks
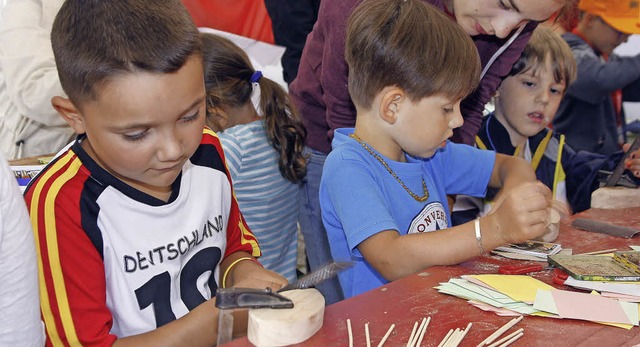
[[453, 337]]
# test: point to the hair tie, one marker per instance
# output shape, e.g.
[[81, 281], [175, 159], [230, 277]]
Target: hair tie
[[256, 76]]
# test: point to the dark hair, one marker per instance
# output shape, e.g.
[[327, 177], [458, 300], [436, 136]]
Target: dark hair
[[409, 44], [227, 75], [547, 45], [96, 40]]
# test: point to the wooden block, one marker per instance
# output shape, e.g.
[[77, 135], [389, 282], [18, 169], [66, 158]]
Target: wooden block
[[282, 327], [615, 197], [553, 227]]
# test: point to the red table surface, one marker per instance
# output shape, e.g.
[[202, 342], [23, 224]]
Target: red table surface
[[405, 301]]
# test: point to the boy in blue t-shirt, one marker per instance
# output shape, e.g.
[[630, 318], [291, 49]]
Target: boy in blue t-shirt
[[384, 185]]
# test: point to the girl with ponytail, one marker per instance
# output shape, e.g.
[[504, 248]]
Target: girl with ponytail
[[263, 141]]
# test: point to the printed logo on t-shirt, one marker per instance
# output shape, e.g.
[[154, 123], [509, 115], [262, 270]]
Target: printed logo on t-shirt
[[432, 217]]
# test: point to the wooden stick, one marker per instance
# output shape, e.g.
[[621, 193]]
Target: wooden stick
[[413, 341], [460, 336], [423, 331], [500, 331], [384, 339], [366, 333], [415, 326], [452, 338], [463, 334], [444, 340], [599, 252], [350, 332], [512, 340], [502, 340]]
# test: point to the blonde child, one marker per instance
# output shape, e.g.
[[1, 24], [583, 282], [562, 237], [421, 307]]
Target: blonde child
[[136, 224], [384, 185], [526, 102], [263, 142]]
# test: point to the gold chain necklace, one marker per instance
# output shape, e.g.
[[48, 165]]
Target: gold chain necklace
[[384, 163]]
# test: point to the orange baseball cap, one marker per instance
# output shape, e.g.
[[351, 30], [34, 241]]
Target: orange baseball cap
[[622, 15]]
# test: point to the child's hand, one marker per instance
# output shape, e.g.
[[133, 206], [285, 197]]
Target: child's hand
[[632, 163], [522, 213], [258, 277]]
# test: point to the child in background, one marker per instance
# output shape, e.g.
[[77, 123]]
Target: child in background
[[384, 185], [136, 224], [263, 142], [526, 102], [20, 323], [591, 114]]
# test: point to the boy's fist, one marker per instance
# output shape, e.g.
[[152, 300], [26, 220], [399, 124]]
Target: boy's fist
[[522, 213]]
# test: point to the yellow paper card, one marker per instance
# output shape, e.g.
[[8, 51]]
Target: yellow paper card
[[517, 287]]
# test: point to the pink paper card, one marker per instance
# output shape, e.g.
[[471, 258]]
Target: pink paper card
[[497, 310], [589, 307]]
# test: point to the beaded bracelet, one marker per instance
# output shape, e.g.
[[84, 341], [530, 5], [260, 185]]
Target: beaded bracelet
[[226, 272]]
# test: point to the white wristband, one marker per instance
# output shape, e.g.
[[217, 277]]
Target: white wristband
[[478, 235]]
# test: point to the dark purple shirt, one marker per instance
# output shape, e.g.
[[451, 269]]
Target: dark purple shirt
[[321, 94]]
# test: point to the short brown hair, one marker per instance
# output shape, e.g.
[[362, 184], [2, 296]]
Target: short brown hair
[[409, 44], [95, 40], [545, 44]]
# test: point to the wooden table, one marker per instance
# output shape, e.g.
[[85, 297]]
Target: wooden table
[[408, 300], [29, 160]]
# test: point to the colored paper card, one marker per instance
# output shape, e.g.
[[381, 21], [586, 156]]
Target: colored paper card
[[478, 282], [630, 310], [621, 297], [518, 256], [467, 294], [589, 307], [618, 325], [544, 302], [517, 287], [480, 290], [545, 314], [469, 291], [631, 288], [499, 311]]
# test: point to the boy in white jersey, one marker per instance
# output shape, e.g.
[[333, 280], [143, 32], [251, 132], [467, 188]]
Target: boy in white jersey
[[136, 224]]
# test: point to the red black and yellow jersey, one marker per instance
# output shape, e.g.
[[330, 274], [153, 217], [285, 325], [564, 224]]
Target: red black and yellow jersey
[[114, 261]]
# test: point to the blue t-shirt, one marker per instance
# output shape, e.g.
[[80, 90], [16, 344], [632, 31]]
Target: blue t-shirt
[[359, 198]]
